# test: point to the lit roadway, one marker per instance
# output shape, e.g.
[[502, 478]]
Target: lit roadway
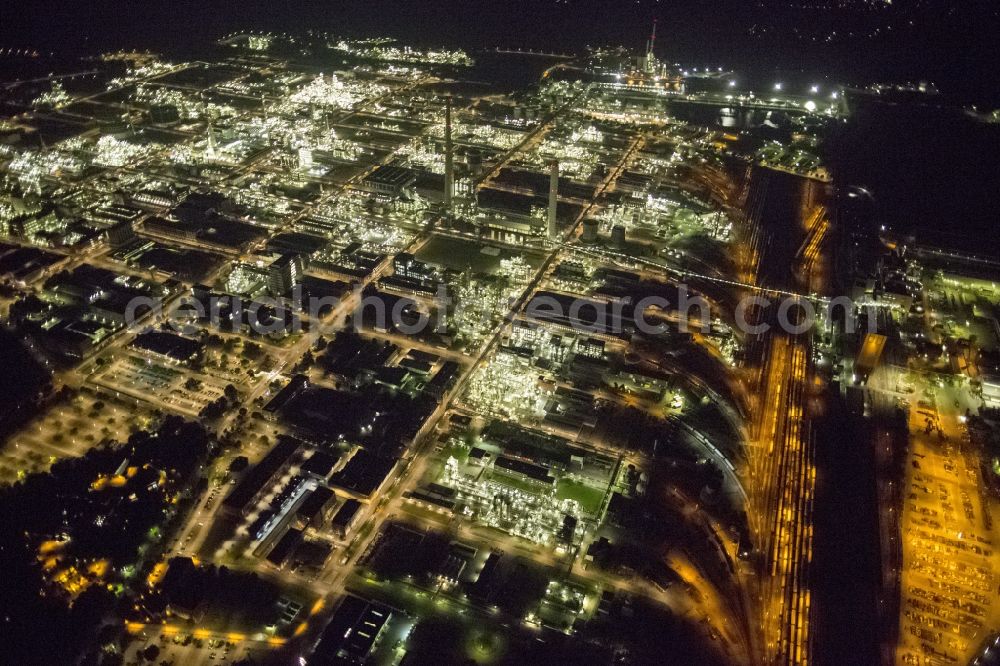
[[768, 101]]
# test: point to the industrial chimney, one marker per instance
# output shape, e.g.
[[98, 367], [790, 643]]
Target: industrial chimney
[[449, 157], [553, 198]]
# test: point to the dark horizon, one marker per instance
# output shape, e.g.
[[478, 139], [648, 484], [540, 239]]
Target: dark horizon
[[946, 46]]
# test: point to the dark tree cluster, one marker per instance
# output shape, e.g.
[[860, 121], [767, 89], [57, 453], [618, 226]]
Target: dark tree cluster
[[93, 514]]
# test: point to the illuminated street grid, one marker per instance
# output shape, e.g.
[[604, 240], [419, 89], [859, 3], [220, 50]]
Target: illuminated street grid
[[285, 157], [502, 439]]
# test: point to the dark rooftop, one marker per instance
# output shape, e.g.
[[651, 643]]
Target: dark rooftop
[[168, 344]]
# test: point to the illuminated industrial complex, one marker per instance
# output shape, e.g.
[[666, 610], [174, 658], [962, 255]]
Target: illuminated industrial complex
[[328, 351]]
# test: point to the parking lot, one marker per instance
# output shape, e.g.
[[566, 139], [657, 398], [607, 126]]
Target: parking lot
[[164, 386], [949, 580], [68, 429]]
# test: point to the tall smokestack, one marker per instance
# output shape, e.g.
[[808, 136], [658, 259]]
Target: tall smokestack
[[650, 58], [449, 157], [210, 143], [553, 198]]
